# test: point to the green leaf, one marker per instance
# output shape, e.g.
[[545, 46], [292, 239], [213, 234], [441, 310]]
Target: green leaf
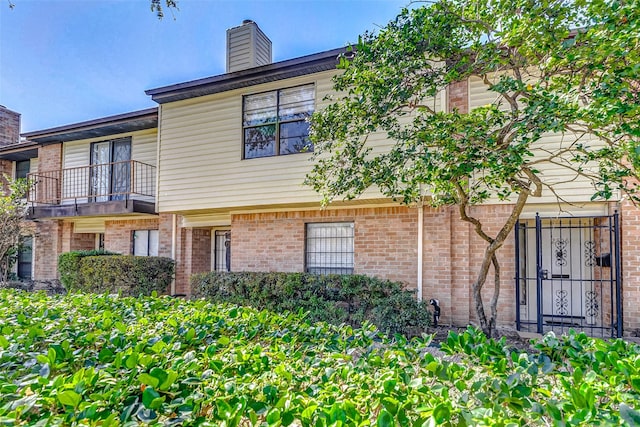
[[151, 399], [441, 413], [149, 380], [385, 419], [69, 398]]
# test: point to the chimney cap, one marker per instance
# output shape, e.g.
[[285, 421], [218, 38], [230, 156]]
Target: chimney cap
[[247, 21]]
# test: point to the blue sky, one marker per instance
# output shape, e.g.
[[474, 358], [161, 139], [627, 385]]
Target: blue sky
[[66, 61]]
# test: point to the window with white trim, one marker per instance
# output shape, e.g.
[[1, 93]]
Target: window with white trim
[[145, 242], [275, 123], [329, 248]]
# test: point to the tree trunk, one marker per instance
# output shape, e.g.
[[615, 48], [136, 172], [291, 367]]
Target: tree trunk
[[489, 259]]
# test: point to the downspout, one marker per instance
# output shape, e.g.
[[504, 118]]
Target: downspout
[[420, 244], [174, 236]]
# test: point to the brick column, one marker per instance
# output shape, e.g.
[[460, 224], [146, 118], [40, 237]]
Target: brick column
[[193, 256], [630, 248], [47, 246], [459, 96]]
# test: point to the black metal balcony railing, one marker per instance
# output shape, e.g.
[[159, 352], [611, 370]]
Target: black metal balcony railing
[[95, 183]]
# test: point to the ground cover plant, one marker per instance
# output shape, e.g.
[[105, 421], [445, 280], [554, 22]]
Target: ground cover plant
[[108, 360]]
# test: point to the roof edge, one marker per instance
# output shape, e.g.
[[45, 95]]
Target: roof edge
[[124, 117], [244, 78]]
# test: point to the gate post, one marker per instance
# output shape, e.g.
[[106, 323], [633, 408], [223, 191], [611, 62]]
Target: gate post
[[616, 224], [517, 236], [539, 271]]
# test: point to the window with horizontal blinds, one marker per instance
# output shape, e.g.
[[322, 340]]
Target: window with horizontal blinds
[[274, 123]]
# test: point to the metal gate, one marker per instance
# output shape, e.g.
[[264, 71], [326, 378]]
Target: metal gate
[[568, 275]]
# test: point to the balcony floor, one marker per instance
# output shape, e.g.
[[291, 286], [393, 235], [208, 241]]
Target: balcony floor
[[114, 207]]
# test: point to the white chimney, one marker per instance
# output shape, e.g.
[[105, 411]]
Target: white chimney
[[247, 47]]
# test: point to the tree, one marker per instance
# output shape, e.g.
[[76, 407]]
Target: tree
[[157, 6], [13, 211], [570, 67]]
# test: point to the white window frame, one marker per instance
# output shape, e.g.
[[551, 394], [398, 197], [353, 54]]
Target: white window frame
[[145, 242]]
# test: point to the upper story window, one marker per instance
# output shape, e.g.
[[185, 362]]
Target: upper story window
[[274, 123]]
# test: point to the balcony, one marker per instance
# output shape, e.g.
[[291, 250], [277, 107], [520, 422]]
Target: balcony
[[104, 189]]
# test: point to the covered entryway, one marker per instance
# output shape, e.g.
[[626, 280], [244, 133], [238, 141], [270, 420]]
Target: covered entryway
[[568, 275]]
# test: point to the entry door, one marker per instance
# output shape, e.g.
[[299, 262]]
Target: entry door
[[110, 170], [567, 275]]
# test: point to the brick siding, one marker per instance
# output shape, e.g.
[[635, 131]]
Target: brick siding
[[47, 246], [118, 233], [385, 242], [50, 157]]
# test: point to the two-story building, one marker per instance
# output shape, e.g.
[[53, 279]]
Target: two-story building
[[213, 177]]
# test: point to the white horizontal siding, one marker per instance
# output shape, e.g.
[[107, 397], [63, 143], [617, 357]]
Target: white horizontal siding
[[201, 154], [567, 185]]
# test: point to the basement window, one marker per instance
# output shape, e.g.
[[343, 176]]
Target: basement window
[[329, 248], [145, 242], [275, 123]]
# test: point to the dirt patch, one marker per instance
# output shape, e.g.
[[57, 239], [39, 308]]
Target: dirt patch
[[511, 336]]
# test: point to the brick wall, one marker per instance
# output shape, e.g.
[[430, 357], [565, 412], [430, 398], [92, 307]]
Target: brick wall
[[165, 227], [76, 241], [50, 157], [6, 168], [9, 127], [117, 234], [193, 255], [459, 96], [386, 246], [47, 246], [385, 243], [630, 239]]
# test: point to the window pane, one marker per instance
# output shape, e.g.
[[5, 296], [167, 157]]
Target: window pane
[[330, 248], [260, 141], [153, 242], [22, 168], [260, 109], [141, 242], [223, 250], [296, 103], [294, 138]]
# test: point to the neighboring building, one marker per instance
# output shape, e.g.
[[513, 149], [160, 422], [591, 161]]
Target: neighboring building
[[213, 178]]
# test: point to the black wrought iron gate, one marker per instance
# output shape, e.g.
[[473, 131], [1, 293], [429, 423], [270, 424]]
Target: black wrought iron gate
[[568, 275]]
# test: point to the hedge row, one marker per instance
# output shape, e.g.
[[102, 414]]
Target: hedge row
[[92, 271], [337, 299]]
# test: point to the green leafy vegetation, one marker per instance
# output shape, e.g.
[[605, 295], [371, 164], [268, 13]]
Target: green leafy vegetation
[[69, 266], [102, 271], [108, 360], [351, 299], [13, 210]]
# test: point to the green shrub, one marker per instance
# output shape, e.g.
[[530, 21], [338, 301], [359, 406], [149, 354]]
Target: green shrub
[[126, 274], [69, 266], [99, 360], [350, 299]]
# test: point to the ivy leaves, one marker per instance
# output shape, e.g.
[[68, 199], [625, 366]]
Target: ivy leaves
[[173, 362]]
